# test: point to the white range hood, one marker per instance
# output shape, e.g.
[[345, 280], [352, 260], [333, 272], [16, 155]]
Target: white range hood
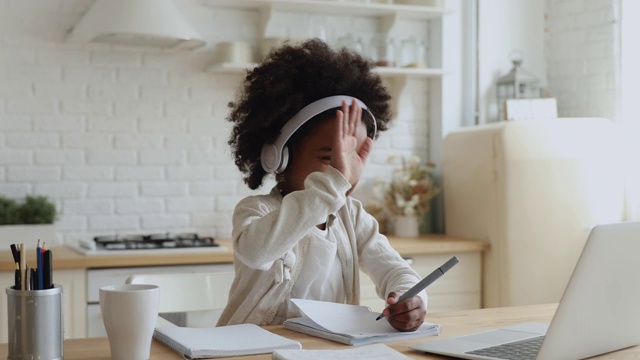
[[149, 23]]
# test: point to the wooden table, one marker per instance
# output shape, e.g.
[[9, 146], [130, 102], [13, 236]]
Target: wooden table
[[453, 324]]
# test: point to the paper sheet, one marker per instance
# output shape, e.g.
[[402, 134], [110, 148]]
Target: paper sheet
[[357, 321]]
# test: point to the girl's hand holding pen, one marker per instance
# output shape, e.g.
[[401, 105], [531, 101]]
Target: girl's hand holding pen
[[406, 315], [406, 312]]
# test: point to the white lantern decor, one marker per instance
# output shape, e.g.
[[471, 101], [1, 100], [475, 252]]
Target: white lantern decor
[[517, 84]]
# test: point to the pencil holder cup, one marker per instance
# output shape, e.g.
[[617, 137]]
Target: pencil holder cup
[[35, 324]]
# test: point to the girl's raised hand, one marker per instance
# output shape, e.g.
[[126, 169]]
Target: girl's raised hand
[[347, 157]]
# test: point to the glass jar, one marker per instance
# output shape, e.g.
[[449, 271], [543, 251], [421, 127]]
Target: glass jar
[[422, 55], [350, 42], [413, 53], [408, 52], [346, 41], [382, 51]]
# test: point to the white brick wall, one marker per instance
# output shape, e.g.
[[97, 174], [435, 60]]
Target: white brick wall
[[593, 72], [131, 140], [139, 206], [582, 56]]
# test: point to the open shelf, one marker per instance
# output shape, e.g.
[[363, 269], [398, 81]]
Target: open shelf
[[237, 68], [389, 19], [337, 8], [413, 72], [230, 68]]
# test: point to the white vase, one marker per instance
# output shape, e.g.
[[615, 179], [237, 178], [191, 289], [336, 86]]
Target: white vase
[[406, 226]]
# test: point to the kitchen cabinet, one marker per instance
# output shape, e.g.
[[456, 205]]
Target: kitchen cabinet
[[391, 19]]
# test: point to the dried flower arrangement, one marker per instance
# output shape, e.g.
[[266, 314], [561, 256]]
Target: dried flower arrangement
[[410, 189]]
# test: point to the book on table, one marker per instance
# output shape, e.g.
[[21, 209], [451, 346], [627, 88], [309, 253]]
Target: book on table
[[223, 341], [364, 352], [349, 324]]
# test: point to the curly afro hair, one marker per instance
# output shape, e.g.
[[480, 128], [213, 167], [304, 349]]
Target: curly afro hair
[[288, 79]]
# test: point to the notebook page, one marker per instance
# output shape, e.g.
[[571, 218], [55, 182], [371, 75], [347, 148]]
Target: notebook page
[[357, 321]]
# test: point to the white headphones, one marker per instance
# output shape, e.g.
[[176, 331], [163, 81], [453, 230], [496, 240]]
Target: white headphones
[[275, 156]]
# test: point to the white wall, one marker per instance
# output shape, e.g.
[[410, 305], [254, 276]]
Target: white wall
[[629, 118], [588, 61], [127, 140], [593, 71], [505, 26], [583, 57], [572, 46]]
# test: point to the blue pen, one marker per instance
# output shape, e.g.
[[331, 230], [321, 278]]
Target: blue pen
[[48, 272], [39, 271]]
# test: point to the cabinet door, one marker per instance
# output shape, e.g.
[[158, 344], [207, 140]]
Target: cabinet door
[[368, 296], [73, 302], [73, 284], [458, 289], [7, 279]]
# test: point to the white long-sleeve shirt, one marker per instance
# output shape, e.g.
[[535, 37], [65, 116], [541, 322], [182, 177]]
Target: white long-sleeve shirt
[[271, 238]]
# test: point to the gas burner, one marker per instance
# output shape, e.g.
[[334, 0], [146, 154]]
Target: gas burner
[[153, 241]]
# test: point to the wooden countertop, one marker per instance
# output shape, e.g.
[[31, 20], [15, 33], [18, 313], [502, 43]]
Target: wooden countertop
[[68, 258], [453, 324], [435, 244]]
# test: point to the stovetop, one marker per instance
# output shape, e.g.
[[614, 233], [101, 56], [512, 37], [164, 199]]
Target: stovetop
[[153, 241], [161, 242]]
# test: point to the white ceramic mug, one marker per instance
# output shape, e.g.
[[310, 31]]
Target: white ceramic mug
[[129, 313]]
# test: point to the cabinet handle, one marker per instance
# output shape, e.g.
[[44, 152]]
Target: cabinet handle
[[409, 260]]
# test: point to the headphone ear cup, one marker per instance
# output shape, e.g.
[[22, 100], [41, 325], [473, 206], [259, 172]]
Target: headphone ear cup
[[269, 158], [284, 160]]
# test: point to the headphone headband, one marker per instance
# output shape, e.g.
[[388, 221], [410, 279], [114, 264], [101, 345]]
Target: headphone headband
[[274, 156]]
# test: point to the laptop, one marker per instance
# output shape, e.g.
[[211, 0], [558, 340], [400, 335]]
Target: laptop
[[599, 311]]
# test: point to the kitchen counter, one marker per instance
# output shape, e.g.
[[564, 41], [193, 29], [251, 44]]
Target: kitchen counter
[[68, 258], [431, 244], [65, 257]]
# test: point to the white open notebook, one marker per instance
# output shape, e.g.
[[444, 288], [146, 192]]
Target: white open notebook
[[223, 341], [348, 324]]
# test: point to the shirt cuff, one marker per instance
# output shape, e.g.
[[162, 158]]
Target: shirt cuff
[[341, 182]]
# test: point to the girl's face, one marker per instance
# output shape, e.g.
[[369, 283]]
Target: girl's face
[[314, 154]]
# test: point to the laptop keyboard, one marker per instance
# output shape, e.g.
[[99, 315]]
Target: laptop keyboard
[[517, 350]]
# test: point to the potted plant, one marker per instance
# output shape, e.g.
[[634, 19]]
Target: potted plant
[[27, 221], [406, 198]]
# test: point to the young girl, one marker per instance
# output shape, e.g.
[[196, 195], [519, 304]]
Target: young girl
[[309, 115]]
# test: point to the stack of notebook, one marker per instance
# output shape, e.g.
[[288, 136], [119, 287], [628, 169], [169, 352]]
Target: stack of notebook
[[224, 341]]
